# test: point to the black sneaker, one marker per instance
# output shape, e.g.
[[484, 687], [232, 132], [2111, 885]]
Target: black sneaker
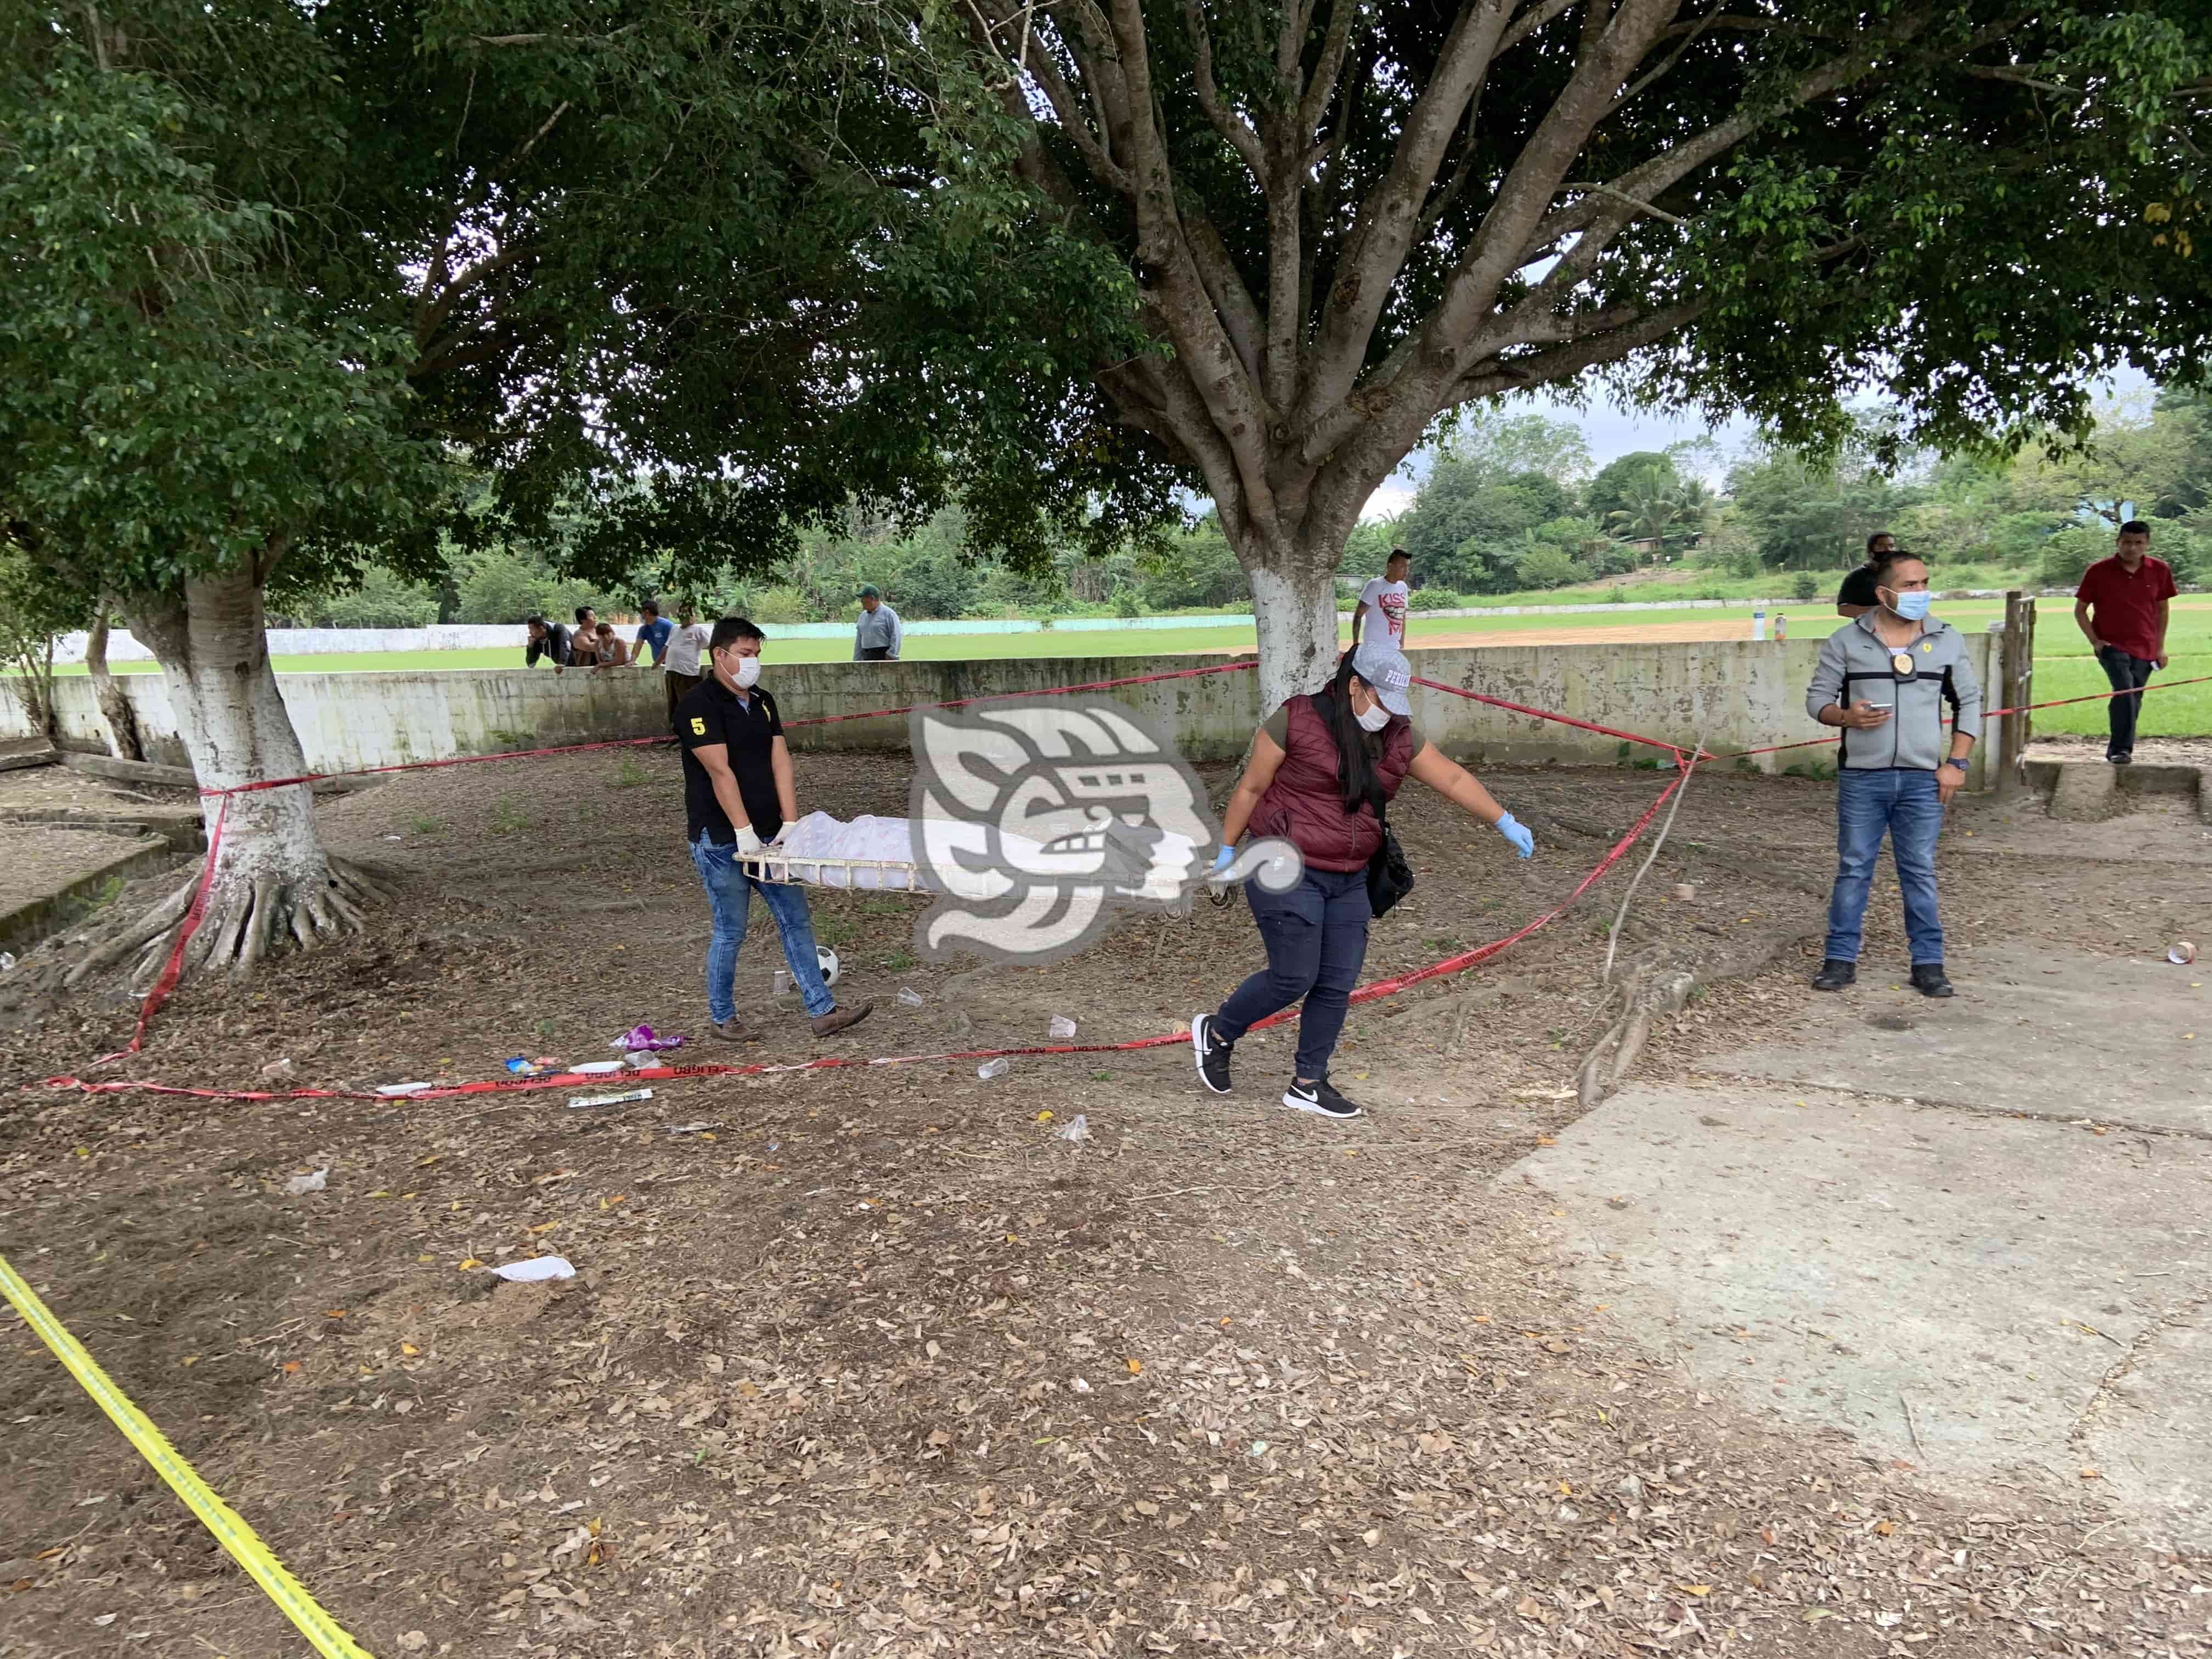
[[1834, 975], [1929, 979], [1320, 1098], [2121, 760], [1213, 1054]]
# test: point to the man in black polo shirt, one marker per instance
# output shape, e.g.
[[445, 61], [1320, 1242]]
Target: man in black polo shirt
[[738, 796], [1856, 597]]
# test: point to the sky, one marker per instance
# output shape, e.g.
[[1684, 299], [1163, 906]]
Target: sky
[[1613, 430]]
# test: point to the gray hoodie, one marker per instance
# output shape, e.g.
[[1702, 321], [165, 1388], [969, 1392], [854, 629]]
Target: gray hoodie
[[1855, 664]]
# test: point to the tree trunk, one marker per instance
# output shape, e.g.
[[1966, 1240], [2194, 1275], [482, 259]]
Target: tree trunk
[[115, 708], [272, 879], [1294, 602]]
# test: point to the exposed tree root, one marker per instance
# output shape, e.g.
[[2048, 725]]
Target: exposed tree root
[[1653, 987], [245, 923], [155, 924]]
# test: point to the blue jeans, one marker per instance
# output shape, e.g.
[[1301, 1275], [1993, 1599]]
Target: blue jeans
[[1316, 940], [730, 891], [1905, 804], [2126, 673]]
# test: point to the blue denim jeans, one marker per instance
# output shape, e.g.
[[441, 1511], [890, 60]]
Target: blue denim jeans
[[1905, 806], [730, 891], [1316, 940]]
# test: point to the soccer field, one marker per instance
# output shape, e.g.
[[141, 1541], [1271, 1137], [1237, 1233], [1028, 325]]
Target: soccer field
[[2064, 666]]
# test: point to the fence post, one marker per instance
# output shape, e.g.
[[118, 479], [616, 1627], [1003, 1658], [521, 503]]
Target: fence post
[[2018, 686]]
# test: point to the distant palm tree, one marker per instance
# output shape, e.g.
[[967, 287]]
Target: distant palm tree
[[1650, 513]]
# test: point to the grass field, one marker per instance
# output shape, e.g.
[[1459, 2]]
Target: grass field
[[2064, 666]]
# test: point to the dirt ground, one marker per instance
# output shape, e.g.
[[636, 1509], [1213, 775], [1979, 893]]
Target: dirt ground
[[868, 1360]]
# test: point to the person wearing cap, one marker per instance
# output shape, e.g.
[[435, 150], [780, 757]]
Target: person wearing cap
[[1318, 766], [876, 636]]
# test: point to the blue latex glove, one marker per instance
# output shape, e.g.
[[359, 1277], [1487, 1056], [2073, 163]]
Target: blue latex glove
[[1223, 859], [1516, 835]]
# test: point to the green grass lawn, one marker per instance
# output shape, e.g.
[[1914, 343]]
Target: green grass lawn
[[2064, 668]]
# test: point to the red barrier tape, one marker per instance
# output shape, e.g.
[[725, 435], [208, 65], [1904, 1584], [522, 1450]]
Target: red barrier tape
[[653, 1074], [1987, 714], [172, 969]]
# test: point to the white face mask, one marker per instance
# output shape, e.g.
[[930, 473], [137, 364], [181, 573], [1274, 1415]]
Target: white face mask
[[747, 673], [1374, 718]]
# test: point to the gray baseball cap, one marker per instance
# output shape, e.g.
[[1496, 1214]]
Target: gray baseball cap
[[1388, 674]]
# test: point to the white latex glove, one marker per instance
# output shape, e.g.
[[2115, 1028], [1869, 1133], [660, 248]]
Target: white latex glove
[[750, 845]]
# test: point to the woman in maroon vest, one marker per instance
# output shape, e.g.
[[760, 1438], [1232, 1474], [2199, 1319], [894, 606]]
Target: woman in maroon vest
[[1316, 766]]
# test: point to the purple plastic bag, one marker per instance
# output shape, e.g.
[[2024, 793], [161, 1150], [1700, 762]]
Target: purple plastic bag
[[640, 1037]]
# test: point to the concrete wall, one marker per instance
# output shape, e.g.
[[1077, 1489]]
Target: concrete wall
[[1737, 694], [329, 642]]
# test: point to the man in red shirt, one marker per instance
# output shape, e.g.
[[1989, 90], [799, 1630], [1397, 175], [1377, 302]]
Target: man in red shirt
[[2121, 606]]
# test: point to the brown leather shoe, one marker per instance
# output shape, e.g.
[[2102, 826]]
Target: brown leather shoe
[[734, 1030], [839, 1019]]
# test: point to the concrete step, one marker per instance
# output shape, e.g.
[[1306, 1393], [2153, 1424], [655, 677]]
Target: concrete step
[[2087, 790]]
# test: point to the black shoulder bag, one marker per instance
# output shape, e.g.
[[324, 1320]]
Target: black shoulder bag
[[1389, 877]]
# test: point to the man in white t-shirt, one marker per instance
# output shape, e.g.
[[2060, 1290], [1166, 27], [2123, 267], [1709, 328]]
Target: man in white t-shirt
[[681, 670], [1387, 597]]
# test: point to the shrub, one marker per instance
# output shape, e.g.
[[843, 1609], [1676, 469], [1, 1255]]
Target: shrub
[[782, 604], [1545, 566], [382, 600], [1805, 585], [2071, 551], [1436, 599]]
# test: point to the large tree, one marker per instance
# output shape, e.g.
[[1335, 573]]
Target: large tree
[[277, 272], [1347, 219]]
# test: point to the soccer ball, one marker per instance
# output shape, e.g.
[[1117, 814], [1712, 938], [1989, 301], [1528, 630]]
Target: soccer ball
[[829, 960]]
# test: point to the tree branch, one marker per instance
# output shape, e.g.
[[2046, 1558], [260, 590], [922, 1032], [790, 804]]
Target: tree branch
[[1381, 237], [1226, 122]]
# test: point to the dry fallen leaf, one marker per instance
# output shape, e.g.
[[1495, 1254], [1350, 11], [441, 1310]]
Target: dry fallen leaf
[[1136, 1368], [1695, 1589]]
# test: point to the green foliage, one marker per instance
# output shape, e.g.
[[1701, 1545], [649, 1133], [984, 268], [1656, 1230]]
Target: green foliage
[[2065, 556], [169, 404], [1542, 564], [1640, 475], [1807, 514], [1436, 599], [1805, 585], [382, 599]]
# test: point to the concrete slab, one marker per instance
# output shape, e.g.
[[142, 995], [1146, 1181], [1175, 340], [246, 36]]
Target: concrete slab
[[1976, 1294], [2119, 1039], [2085, 792]]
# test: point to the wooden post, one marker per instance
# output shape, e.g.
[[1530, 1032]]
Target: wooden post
[[2017, 686]]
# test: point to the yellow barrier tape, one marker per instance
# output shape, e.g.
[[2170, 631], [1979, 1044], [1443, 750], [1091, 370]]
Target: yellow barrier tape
[[244, 1544]]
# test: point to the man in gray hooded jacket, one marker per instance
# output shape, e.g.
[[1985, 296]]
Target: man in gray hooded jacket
[[1886, 678]]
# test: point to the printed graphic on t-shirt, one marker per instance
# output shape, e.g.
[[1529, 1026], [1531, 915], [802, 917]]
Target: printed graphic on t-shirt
[[1388, 600]]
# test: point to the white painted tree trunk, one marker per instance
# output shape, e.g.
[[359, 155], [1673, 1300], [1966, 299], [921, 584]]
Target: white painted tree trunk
[[272, 879], [122, 721], [1294, 601]]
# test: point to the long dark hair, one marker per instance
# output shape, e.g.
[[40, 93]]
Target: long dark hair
[[1357, 750]]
